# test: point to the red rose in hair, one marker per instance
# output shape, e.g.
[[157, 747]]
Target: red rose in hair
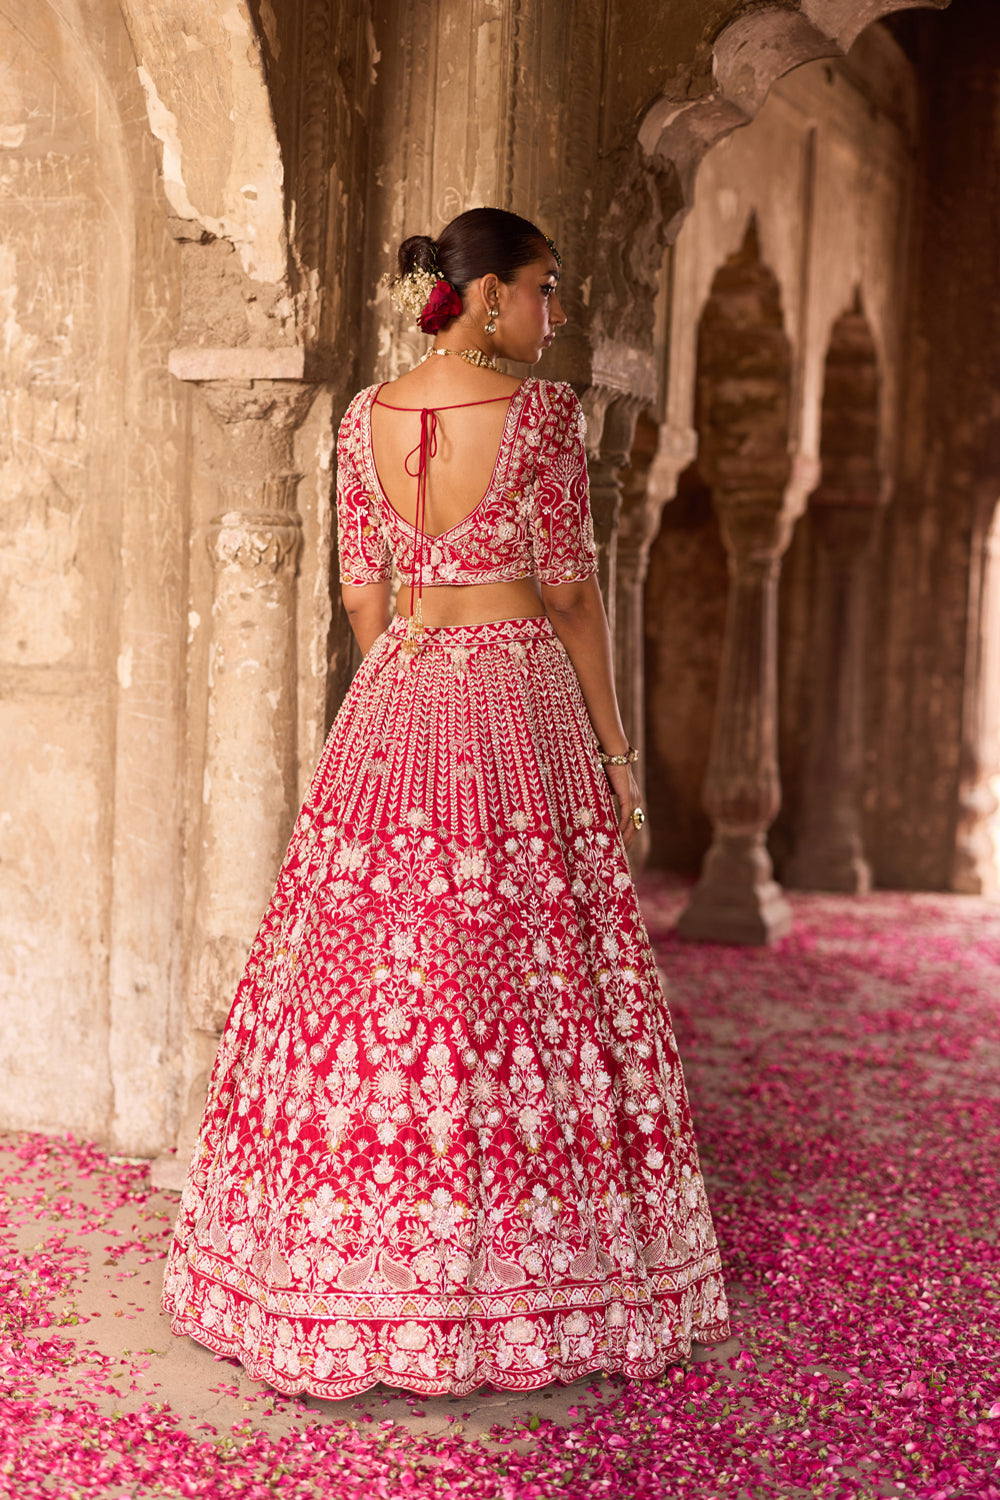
[[441, 306]]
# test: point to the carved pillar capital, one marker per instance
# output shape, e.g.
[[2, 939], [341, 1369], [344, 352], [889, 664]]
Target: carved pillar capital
[[265, 540], [756, 530], [282, 403]]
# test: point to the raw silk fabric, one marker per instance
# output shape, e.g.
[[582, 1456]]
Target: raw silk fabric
[[447, 1138]]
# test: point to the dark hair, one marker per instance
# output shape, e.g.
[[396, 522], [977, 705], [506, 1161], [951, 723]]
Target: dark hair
[[477, 242]]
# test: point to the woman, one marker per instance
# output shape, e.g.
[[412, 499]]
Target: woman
[[447, 1139]]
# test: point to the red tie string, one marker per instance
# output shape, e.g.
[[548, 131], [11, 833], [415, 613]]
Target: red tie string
[[425, 450]]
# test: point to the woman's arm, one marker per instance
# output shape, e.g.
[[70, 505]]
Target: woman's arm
[[576, 611], [369, 610]]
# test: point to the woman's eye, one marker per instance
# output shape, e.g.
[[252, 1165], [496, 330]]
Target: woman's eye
[[548, 288]]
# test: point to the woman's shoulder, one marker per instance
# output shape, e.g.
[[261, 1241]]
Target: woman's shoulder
[[359, 401], [350, 423], [557, 408]]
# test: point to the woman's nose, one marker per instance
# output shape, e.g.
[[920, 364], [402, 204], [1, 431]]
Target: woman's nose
[[557, 316]]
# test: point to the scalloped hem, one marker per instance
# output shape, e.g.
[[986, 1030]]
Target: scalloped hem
[[500, 1380]]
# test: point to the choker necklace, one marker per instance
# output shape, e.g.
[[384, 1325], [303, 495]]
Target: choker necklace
[[471, 357]]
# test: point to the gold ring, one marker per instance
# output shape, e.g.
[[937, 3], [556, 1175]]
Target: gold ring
[[638, 817]]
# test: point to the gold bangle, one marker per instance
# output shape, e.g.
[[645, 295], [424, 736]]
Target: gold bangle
[[628, 759]]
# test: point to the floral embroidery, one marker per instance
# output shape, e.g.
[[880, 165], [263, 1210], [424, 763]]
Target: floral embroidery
[[534, 518], [439, 1144]]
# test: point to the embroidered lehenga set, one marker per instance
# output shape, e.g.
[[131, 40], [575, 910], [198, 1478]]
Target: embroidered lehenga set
[[447, 1139]]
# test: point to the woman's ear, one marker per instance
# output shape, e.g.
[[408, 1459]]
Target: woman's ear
[[489, 286]]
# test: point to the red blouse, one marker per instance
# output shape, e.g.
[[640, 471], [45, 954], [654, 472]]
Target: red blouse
[[534, 518]]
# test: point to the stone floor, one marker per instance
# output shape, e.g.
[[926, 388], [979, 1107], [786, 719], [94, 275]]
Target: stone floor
[[847, 1088], [116, 1297]]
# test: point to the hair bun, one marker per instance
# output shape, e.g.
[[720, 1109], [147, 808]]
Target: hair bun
[[418, 253]]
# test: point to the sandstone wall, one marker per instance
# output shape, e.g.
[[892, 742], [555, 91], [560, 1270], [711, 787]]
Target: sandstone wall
[[92, 571]]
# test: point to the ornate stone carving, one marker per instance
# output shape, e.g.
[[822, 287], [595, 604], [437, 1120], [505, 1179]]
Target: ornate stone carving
[[269, 540], [611, 419], [642, 218], [744, 383]]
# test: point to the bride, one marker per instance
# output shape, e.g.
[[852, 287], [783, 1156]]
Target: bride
[[447, 1139]]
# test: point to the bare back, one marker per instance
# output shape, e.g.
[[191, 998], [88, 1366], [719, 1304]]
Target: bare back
[[467, 441]]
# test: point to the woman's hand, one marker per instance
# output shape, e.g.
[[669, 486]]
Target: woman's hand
[[626, 794]]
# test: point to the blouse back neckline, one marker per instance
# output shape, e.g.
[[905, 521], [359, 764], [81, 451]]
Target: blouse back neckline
[[509, 427]]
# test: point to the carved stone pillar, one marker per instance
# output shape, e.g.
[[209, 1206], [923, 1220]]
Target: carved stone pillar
[[976, 865], [610, 424], [648, 484], [605, 507], [249, 789], [829, 852], [744, 364], [736, 899]]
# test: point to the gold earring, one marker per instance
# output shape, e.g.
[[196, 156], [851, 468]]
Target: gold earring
[[491, 326]]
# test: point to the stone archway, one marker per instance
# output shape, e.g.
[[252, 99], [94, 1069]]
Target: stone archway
[[649, 188], [648, 183]]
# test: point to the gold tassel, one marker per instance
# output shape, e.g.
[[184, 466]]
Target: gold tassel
[[413, 640]]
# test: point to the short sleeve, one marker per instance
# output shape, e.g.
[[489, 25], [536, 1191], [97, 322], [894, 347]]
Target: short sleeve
[[364, 551], [562, 531]]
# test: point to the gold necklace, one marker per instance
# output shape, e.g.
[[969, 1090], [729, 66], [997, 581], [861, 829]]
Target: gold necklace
[[471, 357]]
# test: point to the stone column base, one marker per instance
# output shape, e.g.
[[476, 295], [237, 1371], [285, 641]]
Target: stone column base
[[737, 900], [851, 875]]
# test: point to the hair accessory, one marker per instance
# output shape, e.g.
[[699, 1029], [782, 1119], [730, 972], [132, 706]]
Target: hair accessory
[[491, 326], [471, 357], [410, 292], [441, 306], [552, 246], [629, 758], [427, 296]]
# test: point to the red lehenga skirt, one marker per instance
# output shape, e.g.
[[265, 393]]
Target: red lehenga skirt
[[447, 1139]]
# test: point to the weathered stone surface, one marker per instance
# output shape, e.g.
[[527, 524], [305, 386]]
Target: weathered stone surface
[[91, 563], [201, 69]]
